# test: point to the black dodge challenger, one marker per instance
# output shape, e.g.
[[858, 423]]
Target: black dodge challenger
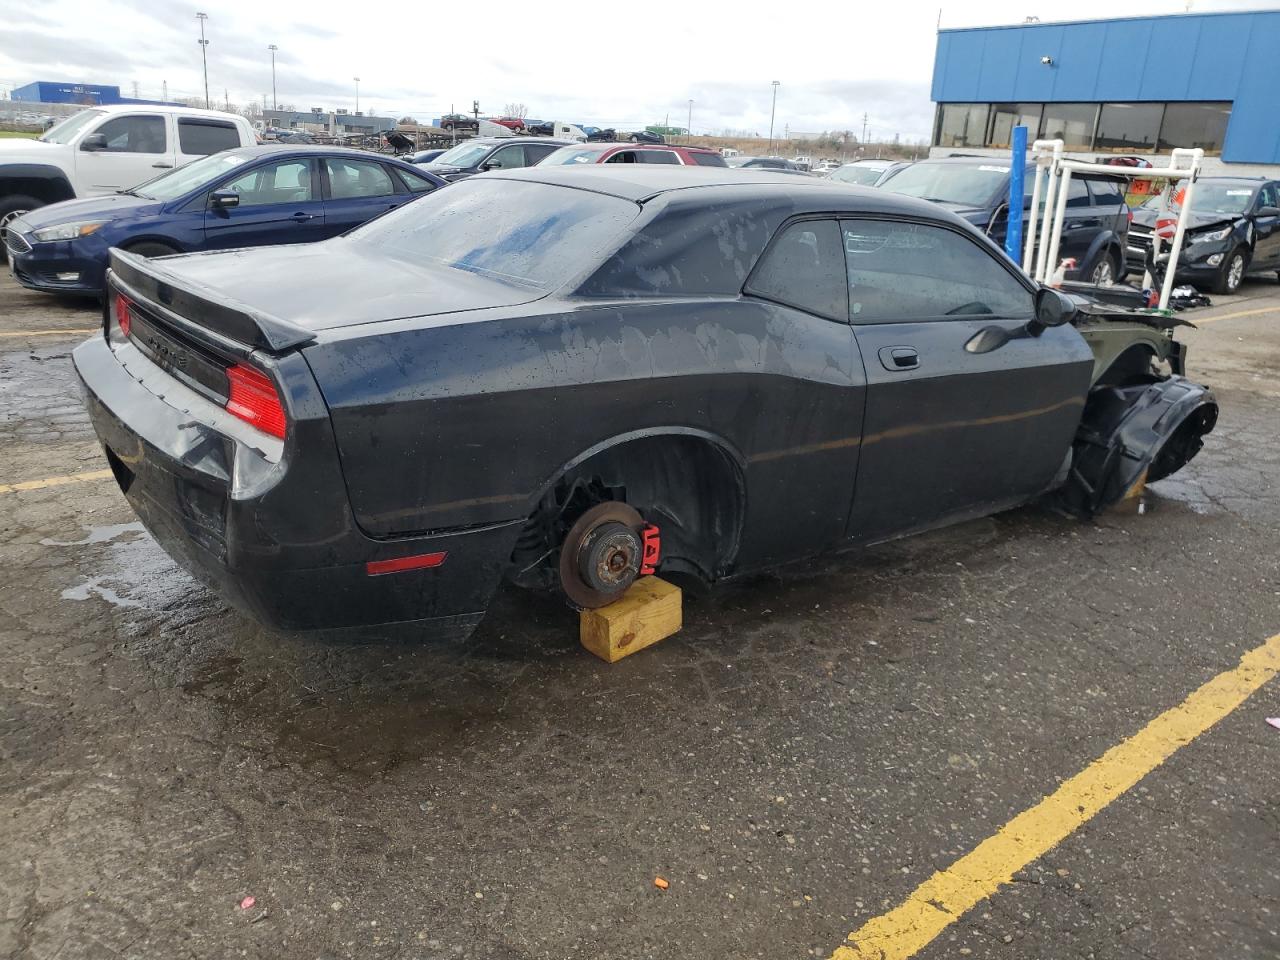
[[568, 377]]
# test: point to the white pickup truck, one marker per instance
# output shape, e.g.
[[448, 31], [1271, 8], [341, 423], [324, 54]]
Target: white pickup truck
[[104, 150]]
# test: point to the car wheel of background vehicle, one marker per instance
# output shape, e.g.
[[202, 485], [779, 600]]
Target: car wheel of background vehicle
[[12, 207], [149, 249], [1232, 273], [1105, 271]]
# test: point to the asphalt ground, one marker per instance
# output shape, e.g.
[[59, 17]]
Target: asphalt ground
[[796, 763]]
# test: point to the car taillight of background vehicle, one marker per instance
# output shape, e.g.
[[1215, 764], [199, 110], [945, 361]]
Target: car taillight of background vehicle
[[253, 398]]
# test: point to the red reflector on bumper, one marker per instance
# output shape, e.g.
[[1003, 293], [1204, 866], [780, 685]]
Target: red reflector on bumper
[[123, 318], [376, 568]]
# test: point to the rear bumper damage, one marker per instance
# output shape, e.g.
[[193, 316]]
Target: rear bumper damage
[[1134, 434]]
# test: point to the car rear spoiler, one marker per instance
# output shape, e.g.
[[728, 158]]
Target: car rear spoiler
[[204, 306]]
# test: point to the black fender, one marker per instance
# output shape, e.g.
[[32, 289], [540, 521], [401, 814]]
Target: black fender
[[1108, 241], [40, 180], [1132, 434]]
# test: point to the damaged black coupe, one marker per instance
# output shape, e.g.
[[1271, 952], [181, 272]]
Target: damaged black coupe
[[566, 377]]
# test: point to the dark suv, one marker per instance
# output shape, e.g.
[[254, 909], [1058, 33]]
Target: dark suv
[[492, 153], [1233, 229], [1094, 229]]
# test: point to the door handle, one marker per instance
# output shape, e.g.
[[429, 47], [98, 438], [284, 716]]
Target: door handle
[[162, 166], [896, 359], [301, 217]]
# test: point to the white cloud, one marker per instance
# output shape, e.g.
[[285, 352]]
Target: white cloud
[[610, 64]]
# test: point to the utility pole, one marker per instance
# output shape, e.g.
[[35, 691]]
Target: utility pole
[[226, 100], [275, 104], [135, 89], [688, 131], [772, 112], [475, 109], [204, 46], [864, 128], [357, 80], [165, 88]]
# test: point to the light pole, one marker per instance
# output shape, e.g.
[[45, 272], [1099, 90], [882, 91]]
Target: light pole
[[688, 130], [772, 111], [357, 80], [275, 104], [204, 45]]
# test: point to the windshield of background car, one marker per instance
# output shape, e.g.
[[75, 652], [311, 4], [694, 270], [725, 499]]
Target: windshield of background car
[[971, 185], [572, 155], [1228, 199], [175, 183], [66, 131], [513, 231], [464, 155], [853, 173]]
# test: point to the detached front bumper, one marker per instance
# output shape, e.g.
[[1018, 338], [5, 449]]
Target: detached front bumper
[[276, 540]]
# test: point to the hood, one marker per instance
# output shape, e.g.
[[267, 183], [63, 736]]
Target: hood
[[335, 283], [20, 149], [978, 216], [113, 207], [1146, 217], [441, 169]]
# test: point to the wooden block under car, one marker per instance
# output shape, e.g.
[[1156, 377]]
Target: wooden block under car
[[649, 611]]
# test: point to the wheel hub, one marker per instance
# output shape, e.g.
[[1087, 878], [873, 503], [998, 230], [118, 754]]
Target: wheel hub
[[601, 555]]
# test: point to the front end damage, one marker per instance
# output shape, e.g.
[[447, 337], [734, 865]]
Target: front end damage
[[1138, 425]]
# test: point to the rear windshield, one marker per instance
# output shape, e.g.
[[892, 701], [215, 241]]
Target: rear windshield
[[853, 173], [970, 184], [518, 232]]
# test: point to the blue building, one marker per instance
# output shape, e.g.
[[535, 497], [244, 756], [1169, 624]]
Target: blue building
[[86, 94], [1133, 86]]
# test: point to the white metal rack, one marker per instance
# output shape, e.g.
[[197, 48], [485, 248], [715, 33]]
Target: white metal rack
[[1053, 174]]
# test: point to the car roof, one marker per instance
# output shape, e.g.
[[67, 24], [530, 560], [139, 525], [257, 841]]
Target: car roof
[[603, 145], [165, 108], [494, 141], [303, 150], [642, 182]]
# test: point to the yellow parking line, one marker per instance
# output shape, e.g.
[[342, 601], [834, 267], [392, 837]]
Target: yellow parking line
[[55, 481], [1238, 313], [76, 332], [948, 894]]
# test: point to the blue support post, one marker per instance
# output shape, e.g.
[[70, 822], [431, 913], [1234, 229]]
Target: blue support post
[[1017, 169]]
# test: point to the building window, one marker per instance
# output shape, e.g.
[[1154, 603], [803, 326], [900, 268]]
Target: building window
[[1072, 123], [1129, 127], [1006, 116], [962, 124], [1202, 125]]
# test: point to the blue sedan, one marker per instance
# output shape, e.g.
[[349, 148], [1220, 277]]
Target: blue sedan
[[248, 197]]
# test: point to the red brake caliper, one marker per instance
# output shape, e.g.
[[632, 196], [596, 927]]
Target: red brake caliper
[[652, 539]]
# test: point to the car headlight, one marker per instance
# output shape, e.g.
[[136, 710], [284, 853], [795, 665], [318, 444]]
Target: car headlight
[[69, 231], [1209, 236]]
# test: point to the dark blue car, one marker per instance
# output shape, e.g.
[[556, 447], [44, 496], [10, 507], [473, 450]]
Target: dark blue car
[[249, 197]]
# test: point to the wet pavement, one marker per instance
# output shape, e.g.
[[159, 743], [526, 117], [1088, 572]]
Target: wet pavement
[[799, 758]]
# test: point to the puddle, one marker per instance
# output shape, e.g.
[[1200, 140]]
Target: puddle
[[132, 573]]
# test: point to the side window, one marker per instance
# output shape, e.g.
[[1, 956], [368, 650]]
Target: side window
[[1106, 193], [414, 183], [914, 271], [203, 137], [537, 153], [286, 182], [658, 156], [804, 268], [709, 160], [1268, 197], [623, 156], [1077, 194], [134, 134], [508, 158], [351, 179]]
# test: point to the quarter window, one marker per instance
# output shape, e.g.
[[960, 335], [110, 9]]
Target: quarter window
[[134, 134], [708, 160], [415, 184], [658, 156], [804, 268], [912, 271], [351, 179], [203, 137], [286, 182]]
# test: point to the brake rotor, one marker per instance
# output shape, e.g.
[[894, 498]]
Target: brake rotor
[[601, 555]]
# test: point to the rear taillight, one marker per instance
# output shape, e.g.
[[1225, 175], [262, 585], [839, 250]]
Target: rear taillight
[[123, 318], [253, 398]]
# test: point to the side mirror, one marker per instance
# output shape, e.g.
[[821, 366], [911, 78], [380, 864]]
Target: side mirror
[[224, 199], [1269, 212], [490, 166], [94, 141], [1054, 308]]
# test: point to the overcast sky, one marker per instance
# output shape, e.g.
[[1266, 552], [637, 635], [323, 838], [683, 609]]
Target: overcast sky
[[599, 62]]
